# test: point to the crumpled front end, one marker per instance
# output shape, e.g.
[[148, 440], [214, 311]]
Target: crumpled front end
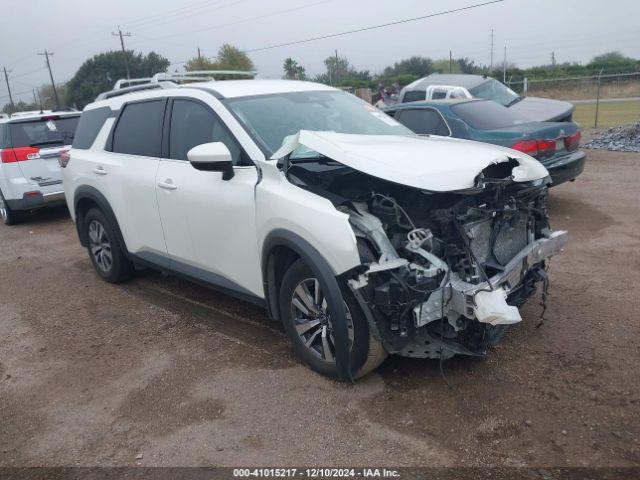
[[453, 236], [448, 280]]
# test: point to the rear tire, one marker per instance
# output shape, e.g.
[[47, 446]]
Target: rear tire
[[310, 333], [7, 215], [105, 252]]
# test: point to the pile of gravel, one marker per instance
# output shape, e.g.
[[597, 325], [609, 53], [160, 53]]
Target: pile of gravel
[[625, 138]]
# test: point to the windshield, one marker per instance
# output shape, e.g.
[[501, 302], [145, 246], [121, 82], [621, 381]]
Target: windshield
[[42, 132], [486, 115], [272, 118], [496, 91]]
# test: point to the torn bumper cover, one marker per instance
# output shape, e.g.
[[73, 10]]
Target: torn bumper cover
[[457, 305], [470, 300]]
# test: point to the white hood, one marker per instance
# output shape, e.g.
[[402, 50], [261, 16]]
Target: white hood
[[438, 164]]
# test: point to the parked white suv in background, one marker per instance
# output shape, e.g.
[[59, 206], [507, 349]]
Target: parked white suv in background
[[30, 148], [361, 237]]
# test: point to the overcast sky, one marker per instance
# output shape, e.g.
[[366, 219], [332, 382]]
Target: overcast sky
[[74, 30]]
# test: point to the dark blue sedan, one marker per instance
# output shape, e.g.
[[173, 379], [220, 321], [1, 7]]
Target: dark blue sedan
[[554, 144]]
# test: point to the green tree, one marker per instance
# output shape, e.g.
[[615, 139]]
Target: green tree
[[293, 71], [613, 62], [340, 72], [99, 73], [19, 106], [48, 97], [416, 65], [200, 63], [232, 58], [467, 65], [444, 66], [228, 58]]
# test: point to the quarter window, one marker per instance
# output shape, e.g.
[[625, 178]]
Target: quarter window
[[423, 121], [139, 129], [91, 123], [193, 124]]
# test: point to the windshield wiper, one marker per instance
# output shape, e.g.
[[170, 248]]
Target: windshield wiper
[[513, 102], [47, 142]]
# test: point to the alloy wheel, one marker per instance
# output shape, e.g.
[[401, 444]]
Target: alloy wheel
[[100, 246], [313, 322]]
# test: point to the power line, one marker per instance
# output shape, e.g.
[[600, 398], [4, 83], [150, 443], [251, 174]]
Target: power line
[[244, 20], [382, 25], [183, 15]]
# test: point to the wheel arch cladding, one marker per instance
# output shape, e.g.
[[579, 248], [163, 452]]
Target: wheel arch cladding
[[87, 197], [280, 249]]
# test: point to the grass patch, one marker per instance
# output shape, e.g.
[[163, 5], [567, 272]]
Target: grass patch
[[609, 114]]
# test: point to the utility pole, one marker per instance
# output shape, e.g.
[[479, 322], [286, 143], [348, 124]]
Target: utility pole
[[504, 66], [35, 99], [6, 77], [336, 67], [40, 99], [491, 62], [450, 61], [55, 92], [124, 52], [199, 56]]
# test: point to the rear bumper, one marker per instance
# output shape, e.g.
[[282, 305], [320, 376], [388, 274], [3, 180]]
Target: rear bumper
[[566, 168], [35, 200]]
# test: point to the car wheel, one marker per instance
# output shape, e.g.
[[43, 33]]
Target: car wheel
[[308, 324], [8, 216], [104, 249]]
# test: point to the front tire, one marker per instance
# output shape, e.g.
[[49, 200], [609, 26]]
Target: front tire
[[105, 252], [308, 325]]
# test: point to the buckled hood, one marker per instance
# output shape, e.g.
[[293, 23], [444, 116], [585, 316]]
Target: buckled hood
[[438, 164]]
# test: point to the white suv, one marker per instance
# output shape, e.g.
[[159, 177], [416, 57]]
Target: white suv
[[361, 237], [30, 147]]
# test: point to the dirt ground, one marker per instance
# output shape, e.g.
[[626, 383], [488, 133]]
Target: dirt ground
[[158, 371]]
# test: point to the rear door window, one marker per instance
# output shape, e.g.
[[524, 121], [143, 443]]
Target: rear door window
[[90, 125], [192, 124], [424, 121], [48, 131], [139, 129]]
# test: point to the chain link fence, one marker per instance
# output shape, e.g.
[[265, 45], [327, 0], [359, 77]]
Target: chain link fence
[[601, 100]]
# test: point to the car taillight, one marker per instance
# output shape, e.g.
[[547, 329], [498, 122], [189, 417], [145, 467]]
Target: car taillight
[[546, 148], [65, 156], [536, 148], [530, 147], [572, 141], [20, 154]]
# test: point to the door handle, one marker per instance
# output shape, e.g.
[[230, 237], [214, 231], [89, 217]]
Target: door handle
[[99, 171], [167, 185]]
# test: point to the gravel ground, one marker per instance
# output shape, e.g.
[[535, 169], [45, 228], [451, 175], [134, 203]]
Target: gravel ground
[[624, 138], [161, 372]]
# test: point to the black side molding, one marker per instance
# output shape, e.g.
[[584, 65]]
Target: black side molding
[[328, 280], [87, 192]]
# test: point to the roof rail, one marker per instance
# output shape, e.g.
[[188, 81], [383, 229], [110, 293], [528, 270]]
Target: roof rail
[[135, 88], [199, 75], [119, 84], [166, 80]]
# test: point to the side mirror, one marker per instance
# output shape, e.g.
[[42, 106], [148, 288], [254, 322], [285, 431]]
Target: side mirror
[[212, 157]]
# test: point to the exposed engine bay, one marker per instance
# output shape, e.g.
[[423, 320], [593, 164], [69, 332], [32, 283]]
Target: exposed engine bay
[[442, 273]]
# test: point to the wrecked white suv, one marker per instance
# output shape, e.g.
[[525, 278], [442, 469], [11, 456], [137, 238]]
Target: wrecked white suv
[[361, 237]]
